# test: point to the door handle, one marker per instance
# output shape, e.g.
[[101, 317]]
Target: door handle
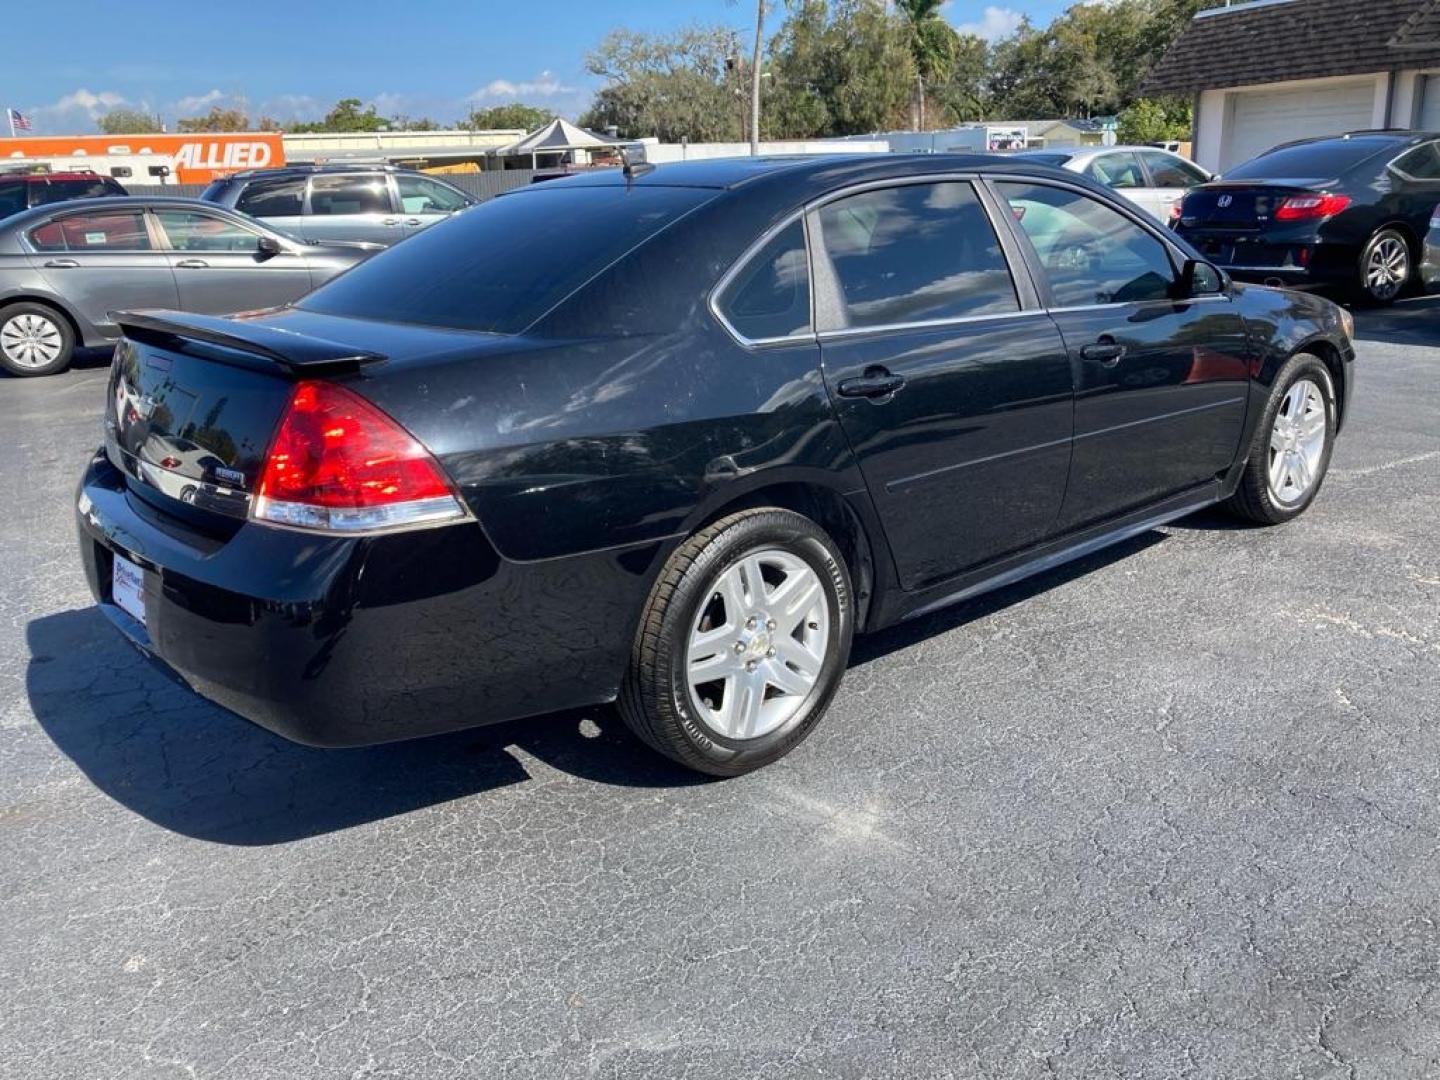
[[192, 264], [1107, 352], [390, 221], [62, 264], [412, 221], [877, 382]]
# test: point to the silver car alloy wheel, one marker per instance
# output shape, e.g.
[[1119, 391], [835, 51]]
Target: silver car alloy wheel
[[757, 646], [31, 341], [1387, 268], [1297, 441]]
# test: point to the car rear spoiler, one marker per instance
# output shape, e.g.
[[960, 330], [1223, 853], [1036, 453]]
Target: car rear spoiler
[[297, 353]]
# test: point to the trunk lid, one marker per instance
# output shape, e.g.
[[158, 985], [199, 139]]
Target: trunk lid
[[1238, 207]]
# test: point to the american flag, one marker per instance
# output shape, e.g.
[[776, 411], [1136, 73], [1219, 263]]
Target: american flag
[[19, 121]]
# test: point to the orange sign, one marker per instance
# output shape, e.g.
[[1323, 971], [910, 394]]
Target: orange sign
[[193, 159]]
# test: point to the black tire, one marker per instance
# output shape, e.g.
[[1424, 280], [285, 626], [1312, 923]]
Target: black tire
[[55, 321], [1382, 295], [1254, 499], [655, 700]]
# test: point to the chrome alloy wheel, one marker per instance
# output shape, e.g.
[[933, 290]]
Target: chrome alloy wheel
[[31, 341], [1387, 268], [757, 645], [1297, 441]]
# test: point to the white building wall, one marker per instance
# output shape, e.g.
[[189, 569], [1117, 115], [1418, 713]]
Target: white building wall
[[659, 153]]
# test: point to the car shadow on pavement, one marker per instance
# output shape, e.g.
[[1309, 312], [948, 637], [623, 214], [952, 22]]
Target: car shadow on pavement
[[189, 766], [1415, 321]]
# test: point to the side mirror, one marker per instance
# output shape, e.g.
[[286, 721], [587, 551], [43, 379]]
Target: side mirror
[[268, 245], [1199, 279]]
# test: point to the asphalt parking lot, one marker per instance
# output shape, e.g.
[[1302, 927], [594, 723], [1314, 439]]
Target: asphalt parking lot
[[1169, 812]]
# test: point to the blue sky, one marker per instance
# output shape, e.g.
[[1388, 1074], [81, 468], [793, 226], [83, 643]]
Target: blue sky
[[292, 60]]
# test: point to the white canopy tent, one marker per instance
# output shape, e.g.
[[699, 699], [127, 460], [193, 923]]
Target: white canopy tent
[[557, 137]]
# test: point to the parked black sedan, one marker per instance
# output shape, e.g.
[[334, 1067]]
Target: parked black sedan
[[674, 438], [1347, 213], [65, 267]]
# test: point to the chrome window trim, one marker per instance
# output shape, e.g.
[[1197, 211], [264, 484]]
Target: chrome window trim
[[726, 279], [70, 212], [926, 324]]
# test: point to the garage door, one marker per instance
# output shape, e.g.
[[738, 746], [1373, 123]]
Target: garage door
[[1429, 118], [1264, 118]]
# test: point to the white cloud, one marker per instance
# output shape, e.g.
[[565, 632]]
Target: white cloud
[[544, 85], [284, 107], [199, 103], [994, 23], [75, 111]]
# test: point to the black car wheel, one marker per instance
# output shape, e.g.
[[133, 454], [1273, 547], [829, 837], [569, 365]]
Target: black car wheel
[[1291, 450], [34, 340], [743, 643], [1384, 267]]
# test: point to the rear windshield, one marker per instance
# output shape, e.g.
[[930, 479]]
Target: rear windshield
[[1045, 158], [1312, 161], [501, 265]]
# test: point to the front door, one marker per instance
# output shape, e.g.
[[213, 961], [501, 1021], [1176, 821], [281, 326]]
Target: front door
[[424, 201], [219, 268], [952, 387], [103, 261], [1161, 383]]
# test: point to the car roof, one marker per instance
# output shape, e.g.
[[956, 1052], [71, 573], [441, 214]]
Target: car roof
[[811, 170], [308, 170], [33, 177], [112, 202], [1379, 136]]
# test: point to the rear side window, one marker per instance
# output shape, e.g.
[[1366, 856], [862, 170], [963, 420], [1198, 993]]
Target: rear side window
[[421, 195], [112, 230], [1312, 161], [915, 253], [1167, 170], [280, 197], [335, 195], [1117, 171], [1422, 163], [61, 190], [501, 265], [12, 197], [1092, 254], [770, 296]]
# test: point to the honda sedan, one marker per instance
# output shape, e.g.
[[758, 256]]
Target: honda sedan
[[672, 437], [65, 267]]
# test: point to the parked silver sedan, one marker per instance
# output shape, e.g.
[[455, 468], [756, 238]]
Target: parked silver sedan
[[1153, 179], [65, 267]]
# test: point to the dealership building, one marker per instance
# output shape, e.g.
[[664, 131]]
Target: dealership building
[[1272, 71]]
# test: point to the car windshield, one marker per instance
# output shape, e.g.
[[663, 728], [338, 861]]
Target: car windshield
[[1319, 160], [501, 265]]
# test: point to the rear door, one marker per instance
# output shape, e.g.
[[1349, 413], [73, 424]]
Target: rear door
[[1122, 173], [951, 383], [1161, 383], [424, 201], [103, 261], [219, 268], [351, 206], [1415, 186]]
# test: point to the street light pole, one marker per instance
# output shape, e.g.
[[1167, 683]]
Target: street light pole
[[755, 79]]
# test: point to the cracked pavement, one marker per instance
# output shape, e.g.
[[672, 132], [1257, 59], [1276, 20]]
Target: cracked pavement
[[1169, 812]]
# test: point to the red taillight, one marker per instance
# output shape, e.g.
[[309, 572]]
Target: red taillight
[[1304, 207], [339, 464]]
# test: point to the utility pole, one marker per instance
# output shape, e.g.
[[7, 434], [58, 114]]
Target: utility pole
[[755, 78]]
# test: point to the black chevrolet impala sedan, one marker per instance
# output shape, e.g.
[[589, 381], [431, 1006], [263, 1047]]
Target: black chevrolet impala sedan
[[672, 437]]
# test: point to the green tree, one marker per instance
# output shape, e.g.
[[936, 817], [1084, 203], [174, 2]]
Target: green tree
[[127, 122], [507, 118], [932, 43], [217, 119], [671, 86], [347, 115], [1151, 121]]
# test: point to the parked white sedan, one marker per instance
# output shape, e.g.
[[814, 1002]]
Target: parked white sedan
[[1153, 179]]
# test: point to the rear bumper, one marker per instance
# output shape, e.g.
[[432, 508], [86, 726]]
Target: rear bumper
[[1297, 262], [352, 641]]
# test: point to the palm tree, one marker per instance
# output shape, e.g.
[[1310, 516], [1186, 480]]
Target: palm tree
[[932, 44]]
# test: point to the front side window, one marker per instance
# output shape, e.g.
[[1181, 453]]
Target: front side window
[[187, 230], [112, 230], [1167, 170], [12, 197], [280, 197], [421, 195], [335, 195], [1117, 171], [915, 253], [1092, 254], [770, 296]]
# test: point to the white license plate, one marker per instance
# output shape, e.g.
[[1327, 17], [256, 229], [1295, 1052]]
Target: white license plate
[[127, 587]]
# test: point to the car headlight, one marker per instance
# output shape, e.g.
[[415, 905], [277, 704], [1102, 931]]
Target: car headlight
[[1347, 324]]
